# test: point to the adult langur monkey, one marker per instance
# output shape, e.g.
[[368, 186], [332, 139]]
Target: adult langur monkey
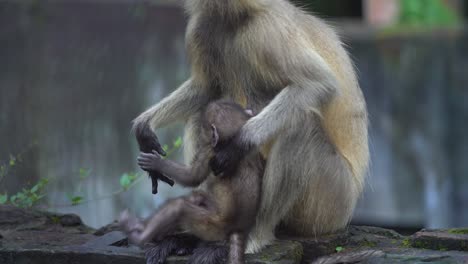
[[290, 68]]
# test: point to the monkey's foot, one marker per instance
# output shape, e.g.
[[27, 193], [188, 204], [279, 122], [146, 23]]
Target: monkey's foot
[[130, 223], [175, 244], [209, 254], [259, 241]]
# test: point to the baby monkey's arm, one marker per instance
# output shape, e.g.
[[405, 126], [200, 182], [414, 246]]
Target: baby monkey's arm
[[188, 176]]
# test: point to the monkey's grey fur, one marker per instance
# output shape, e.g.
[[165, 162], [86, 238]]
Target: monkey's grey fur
[[290, 68]]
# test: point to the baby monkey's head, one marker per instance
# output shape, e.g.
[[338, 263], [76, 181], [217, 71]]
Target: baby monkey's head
[[224, 119]]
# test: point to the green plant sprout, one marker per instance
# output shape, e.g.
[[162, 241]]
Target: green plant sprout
[[175, 146], [28, 197], [13, 161], [76, 198]]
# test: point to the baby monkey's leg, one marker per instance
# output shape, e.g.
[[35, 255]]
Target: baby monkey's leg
[[163, 222], [130, 223], [187, 209], [236, 248]]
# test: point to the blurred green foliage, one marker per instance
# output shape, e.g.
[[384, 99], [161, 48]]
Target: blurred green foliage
[[427, 13]]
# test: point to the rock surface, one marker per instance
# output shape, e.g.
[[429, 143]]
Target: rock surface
[[29, 236]]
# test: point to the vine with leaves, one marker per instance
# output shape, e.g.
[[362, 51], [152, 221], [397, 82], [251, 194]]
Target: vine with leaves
[[33, 195]]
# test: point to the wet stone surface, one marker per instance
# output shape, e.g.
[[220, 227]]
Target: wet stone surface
[[45, 238], [29, 236]]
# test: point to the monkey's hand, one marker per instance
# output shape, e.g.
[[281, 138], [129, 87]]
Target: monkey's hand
[[147, 139], [148, 142], [228, 156], [150, 162]]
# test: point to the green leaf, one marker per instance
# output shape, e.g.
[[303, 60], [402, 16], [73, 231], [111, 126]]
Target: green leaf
[[35, 188], [84, 173], [28, 202], [20, 196], [33, 197], [125, 181], [339, 249], [55, 219], [3, 198], [3, 171], [44, 181], [77, 200], [165, 148], [178, 142], [12, 161]]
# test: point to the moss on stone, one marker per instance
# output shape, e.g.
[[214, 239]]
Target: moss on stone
[[458, 231], [406, 243], [420, 244], [298, 253], [367, 243]]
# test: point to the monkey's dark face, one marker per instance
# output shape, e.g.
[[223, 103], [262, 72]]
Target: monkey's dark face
[[225, 119], [224, 128]]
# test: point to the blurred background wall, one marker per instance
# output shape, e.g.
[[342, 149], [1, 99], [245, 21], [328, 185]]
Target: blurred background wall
[[73, 74]]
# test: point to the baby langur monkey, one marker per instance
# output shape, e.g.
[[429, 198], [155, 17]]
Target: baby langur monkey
[[223, 207]]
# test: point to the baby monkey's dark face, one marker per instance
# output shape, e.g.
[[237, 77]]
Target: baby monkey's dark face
[[225, 119]]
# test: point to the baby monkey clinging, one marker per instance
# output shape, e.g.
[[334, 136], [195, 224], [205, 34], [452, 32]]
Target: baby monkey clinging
[[222, 207]]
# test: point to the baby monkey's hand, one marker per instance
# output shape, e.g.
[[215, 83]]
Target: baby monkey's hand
[[150, 161]]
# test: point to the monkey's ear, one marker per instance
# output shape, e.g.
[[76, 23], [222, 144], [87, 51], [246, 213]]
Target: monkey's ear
[[249, 112], [214, 135]]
